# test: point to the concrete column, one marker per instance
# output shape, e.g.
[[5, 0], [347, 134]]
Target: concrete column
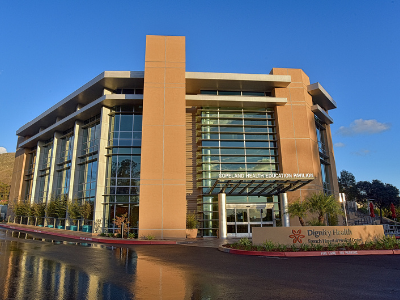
[[52, 171], [222, 215], [18, 185], [101, 166], [76, 148], [163, 203], [284, 210], [35, 181]]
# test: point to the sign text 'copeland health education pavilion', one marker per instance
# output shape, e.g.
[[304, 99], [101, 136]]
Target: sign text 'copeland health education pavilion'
[[247, 175]]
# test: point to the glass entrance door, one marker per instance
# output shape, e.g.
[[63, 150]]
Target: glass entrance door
[[241, 218]]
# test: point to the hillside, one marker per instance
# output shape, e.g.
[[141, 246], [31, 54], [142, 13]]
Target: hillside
[[6, 167]]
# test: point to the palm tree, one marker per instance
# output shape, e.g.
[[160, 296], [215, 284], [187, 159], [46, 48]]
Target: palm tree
[[298, 209], [323, 204]]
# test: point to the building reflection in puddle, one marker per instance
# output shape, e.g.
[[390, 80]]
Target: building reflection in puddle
[[26, 272]]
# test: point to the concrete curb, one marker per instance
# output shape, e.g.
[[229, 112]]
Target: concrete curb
[[91, 239], [308, 253]]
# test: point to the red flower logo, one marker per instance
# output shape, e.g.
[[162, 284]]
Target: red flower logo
[[297, 236]]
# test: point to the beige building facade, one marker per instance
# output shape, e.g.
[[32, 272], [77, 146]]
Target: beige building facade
[[234, 149]]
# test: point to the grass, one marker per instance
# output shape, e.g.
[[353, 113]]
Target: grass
[[385, 243]]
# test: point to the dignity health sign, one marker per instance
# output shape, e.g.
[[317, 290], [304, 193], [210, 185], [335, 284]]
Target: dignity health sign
[[317, 235]]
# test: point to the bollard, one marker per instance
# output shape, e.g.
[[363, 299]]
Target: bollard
[[122, 230]]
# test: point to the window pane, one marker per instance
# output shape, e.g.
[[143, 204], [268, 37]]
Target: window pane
[[126, 123]]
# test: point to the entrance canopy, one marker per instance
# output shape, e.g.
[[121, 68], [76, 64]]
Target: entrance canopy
[[255, 187]]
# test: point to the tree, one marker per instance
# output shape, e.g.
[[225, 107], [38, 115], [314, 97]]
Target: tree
[[51, 209], [298, 209], [61, 207], [74, 210], [348, 185], [323, 204], [86, 210], [382, 194], [39, 211], [118, 223]]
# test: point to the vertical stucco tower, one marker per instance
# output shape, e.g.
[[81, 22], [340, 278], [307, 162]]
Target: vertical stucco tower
[[163, 177], [156, 144], [303, 125]]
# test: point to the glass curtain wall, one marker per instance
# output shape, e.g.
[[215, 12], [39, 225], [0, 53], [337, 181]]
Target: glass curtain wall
[[239, 141], [44, 170], [323, 155], [63, 163], [123, 166], [88, 159], [29, 174]]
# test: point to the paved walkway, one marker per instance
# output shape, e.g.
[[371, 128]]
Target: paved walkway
[[84, 236]]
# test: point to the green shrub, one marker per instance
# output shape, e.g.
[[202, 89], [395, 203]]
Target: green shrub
[[102, 234], [281, 247], [388, 242], [245, 242], [131, 235], [269, 245], [111, 235], [369, 245], [318, 247], [315, 222], [305, 247], [331, 247], [191, 221], [355, 246], [22, 209], [294, 248]]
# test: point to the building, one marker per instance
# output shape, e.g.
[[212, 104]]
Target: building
[[159, 143]]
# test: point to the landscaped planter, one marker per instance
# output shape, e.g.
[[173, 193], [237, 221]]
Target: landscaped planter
[[73, 228], [87, 228], [191, 233]]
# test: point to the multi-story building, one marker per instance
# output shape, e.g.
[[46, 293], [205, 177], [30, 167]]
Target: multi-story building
[[234, 148]]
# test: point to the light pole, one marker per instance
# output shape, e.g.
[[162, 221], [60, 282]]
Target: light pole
[[342, 199]]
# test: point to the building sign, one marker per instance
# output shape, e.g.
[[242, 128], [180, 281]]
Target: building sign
[[316, 235], [249, 175]]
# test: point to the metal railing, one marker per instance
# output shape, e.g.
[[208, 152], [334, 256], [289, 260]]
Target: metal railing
[[57, 223], [391, 229]]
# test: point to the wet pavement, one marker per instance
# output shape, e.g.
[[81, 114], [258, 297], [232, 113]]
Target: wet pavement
[[79, 235], [37, 267]]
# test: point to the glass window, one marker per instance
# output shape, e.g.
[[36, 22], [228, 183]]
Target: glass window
[[126, 123], [225, 136], [257, 144], [210, 143], [231, 122], [253, 93], [232, 144], [208, 92], [231, 129], [232, 151]]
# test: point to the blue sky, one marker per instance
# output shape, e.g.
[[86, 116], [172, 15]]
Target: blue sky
[[48, 49]]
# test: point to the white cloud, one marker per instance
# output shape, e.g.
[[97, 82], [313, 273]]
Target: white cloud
[[362, 152], [3, 150], [361, 126], [339, 145]]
